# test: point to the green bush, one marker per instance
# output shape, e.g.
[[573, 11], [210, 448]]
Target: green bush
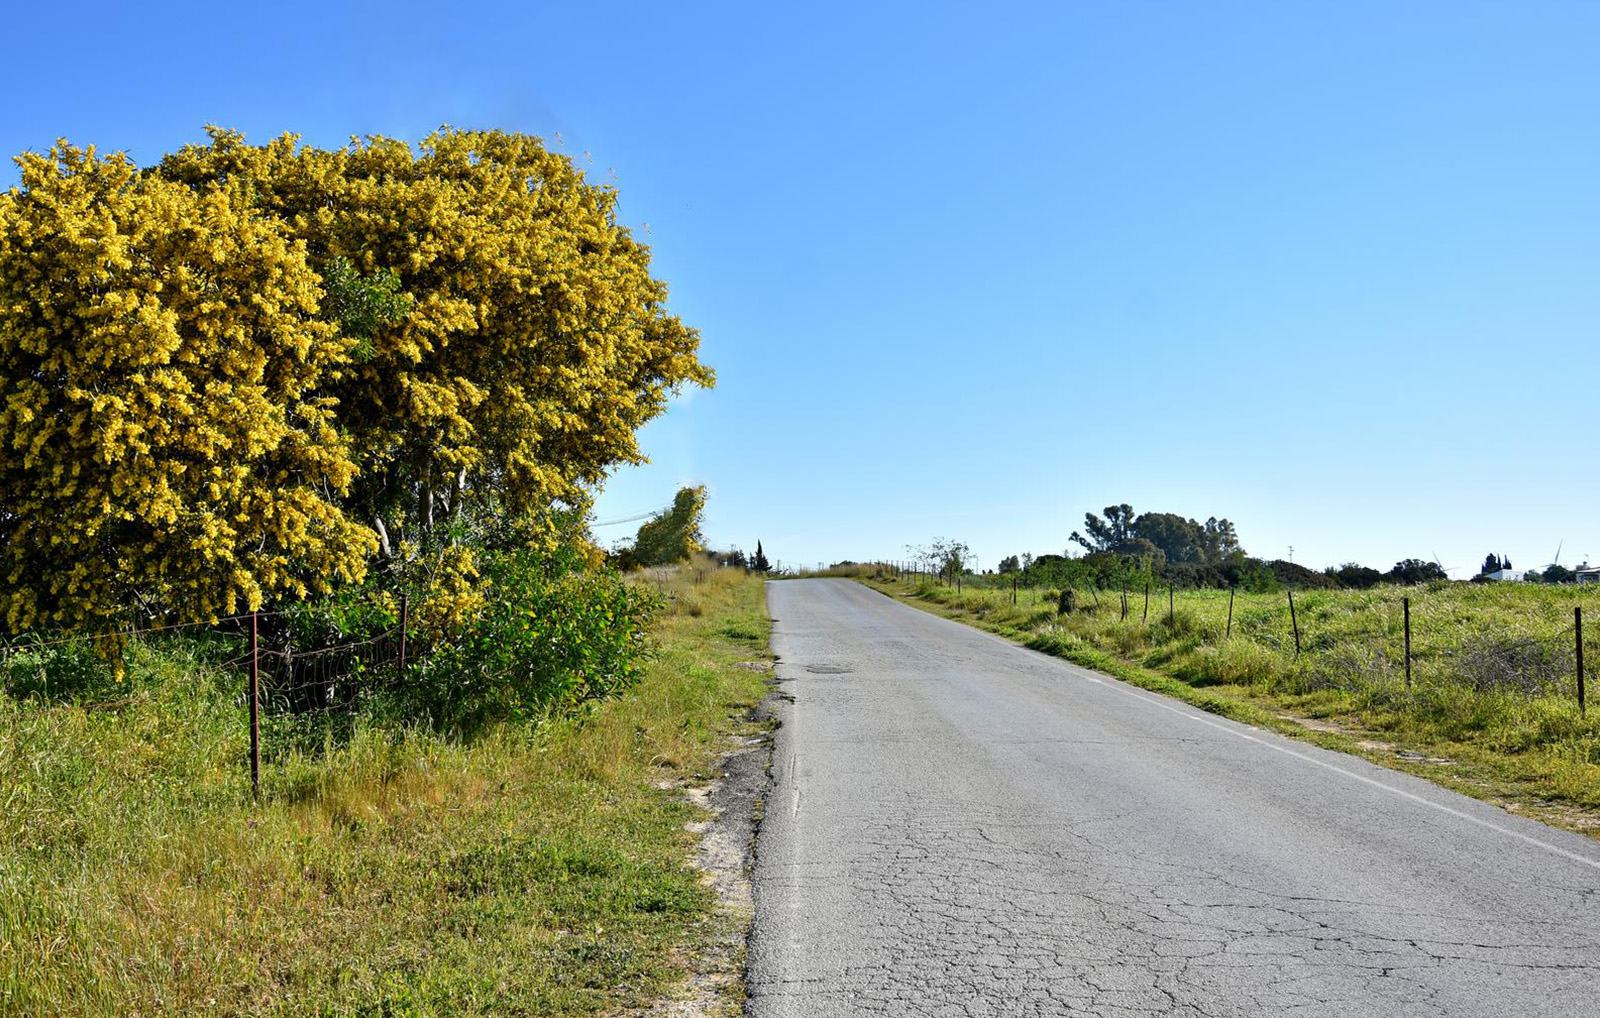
[[544, 645], [56, 671]]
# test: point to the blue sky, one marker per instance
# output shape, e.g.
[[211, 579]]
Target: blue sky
[[1331, 270]]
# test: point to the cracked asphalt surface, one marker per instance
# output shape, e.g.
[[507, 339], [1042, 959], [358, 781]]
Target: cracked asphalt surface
[[960, 826]]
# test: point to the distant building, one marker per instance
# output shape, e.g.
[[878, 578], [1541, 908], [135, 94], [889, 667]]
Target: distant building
[[1586, 574], [1511, 574]]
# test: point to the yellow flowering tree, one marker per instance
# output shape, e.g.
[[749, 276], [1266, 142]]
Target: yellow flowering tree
[[536, 341], [167, 440], [244, 372]]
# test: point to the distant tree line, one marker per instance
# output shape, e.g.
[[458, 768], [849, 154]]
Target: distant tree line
[[1553, 573], [1124, 548]]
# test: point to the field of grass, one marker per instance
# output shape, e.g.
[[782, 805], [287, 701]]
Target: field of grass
[[392, 873], [1492, 706]]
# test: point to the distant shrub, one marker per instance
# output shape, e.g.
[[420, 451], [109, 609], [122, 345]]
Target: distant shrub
[[1193, 575], [1291, 574], [1413, 571], [1248, 574], [1356, 577]]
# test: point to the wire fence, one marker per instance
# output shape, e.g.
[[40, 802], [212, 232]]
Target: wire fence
[[289, 668], [1540, 651]]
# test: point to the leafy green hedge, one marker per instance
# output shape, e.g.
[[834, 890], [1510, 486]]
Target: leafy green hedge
[[543, 645], [550, 638]]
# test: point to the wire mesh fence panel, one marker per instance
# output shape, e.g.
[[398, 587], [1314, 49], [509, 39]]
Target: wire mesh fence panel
[[299, 680], [310, 680], [1477, 640]]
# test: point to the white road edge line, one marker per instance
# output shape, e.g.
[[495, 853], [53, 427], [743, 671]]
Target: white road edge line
[[1374, 782], [1129, 690]]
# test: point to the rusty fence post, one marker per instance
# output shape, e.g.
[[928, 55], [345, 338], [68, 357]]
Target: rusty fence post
[[1229, 631], [1294, 621], [1172, 610], [255, 709], [1146, 616], [1406, 601]]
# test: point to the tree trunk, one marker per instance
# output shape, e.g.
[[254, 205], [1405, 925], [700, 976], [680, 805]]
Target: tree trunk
[[425, 503], [455, 493]]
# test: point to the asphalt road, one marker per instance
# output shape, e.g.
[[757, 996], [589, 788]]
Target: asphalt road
[[959, 826]]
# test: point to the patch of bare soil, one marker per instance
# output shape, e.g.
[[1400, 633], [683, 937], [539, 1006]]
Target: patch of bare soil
[[1315, 724], [732, 803], [1572, 817], [1370, 745]]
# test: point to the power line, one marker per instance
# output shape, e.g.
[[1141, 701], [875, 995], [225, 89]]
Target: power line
[[632, 519]]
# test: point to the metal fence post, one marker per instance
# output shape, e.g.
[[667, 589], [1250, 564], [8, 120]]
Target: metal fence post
[[1146, 616], [255, 709], [1172, 610], [1296, 623], [1577, 623], [1406, 601], [1229, 631]]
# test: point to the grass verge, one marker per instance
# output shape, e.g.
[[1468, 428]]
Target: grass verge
[[395, 873], [1470, 721]]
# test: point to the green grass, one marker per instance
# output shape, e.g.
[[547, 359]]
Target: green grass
[[1493, 691], [388, 873]]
